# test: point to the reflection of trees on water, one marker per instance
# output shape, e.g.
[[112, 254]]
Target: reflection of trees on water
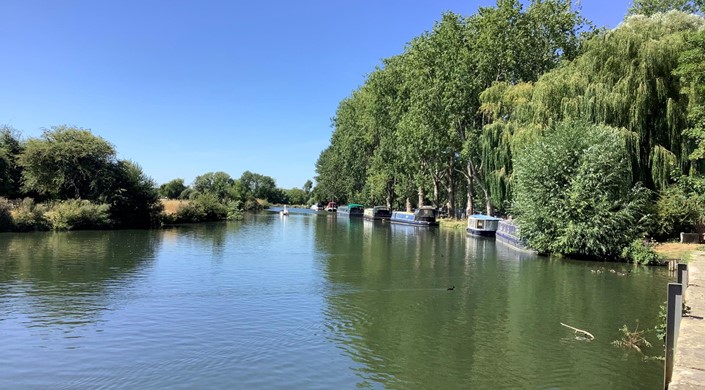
[[211, 238], [389, 310], [71, 277]]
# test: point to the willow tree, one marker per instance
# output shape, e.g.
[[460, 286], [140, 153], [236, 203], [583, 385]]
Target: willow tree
[[625, 79], [650, 7], [691, 70]]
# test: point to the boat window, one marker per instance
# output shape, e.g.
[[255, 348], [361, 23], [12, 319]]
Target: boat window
[[425, 213]]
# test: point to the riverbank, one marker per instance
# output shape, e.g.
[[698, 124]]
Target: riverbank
[[689, 369]]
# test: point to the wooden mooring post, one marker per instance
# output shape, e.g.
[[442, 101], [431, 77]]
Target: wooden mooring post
[[672, 264]]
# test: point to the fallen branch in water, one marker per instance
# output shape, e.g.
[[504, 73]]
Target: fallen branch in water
[[585, 333]]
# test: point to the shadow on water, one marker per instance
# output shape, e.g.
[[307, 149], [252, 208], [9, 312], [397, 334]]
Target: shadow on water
[[67, 278], [390, 310]]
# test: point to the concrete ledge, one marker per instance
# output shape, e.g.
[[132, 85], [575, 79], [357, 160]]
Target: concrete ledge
[[689, 368]]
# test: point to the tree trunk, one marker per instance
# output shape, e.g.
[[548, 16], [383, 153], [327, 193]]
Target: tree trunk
[[470, 207], [408, 204], [421, 196], [488, 201], [451, 190], [390, 194], [435, 192]]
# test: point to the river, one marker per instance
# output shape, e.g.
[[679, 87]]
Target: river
[[317, 302]]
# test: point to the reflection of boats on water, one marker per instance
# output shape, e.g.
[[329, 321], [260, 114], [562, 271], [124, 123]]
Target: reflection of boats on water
[[478, 247], [424, 216], [482, 225], [379, 213]]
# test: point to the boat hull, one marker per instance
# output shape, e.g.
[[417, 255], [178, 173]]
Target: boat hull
[[413, 219], [480, 233], [507, 235]]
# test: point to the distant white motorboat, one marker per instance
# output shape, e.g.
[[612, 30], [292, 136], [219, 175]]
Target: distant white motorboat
[[317, 207], [284, 212]]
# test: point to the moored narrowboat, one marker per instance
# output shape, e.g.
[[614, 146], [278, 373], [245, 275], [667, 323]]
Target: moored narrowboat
[[482, 225], [379, 213], [424, 216], [508, 233], [351, 210]]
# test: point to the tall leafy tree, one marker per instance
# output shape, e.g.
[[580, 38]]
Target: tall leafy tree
[[215, 183], [67, 162], [133, 196], [172, 189], [691, 69], [10, 170], [260, 186]]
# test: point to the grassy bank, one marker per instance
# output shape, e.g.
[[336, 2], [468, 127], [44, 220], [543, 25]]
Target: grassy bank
[[676, 250], [455, 224]]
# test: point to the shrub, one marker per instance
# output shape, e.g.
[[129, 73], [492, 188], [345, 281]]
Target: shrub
[[641, 252], [29, 216], [574, 194], [5, 217], [76, 214], [189, 212]]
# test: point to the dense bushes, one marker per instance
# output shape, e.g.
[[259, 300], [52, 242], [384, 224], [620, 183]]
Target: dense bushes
[[76, 214], [72, 214], [574, 192], [29, 216], [5, 217]]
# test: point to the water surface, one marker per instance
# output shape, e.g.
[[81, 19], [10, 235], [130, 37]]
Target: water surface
[[312, 301]]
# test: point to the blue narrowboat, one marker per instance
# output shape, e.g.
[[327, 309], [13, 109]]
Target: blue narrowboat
[[377, 213], [508, 233], [424, 216], [351, 210], [482, 225]]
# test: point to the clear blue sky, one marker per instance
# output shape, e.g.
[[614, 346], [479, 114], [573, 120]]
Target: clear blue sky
[[188, 87]]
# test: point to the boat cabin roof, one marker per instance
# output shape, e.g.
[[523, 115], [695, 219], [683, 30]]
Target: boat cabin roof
[[484, 217], [351, 205]]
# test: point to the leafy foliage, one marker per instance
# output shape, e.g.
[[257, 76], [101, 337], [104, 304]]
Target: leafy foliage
[[574, 194], [29, 216], [650, 7], [10, 171], [133, 197], [632, 339], [76, 214], [172, 189], [641, 252], [67, 162], [5, 216]]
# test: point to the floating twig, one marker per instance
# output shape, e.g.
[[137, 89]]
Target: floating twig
[[585, 333]]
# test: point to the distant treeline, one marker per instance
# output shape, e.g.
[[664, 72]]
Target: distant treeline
[[591, 139], [71, 179]]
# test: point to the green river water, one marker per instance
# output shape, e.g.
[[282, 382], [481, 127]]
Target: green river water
[[313, 301]]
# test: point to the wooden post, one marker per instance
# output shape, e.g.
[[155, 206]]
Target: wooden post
[[673, 323], [672, 265]]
